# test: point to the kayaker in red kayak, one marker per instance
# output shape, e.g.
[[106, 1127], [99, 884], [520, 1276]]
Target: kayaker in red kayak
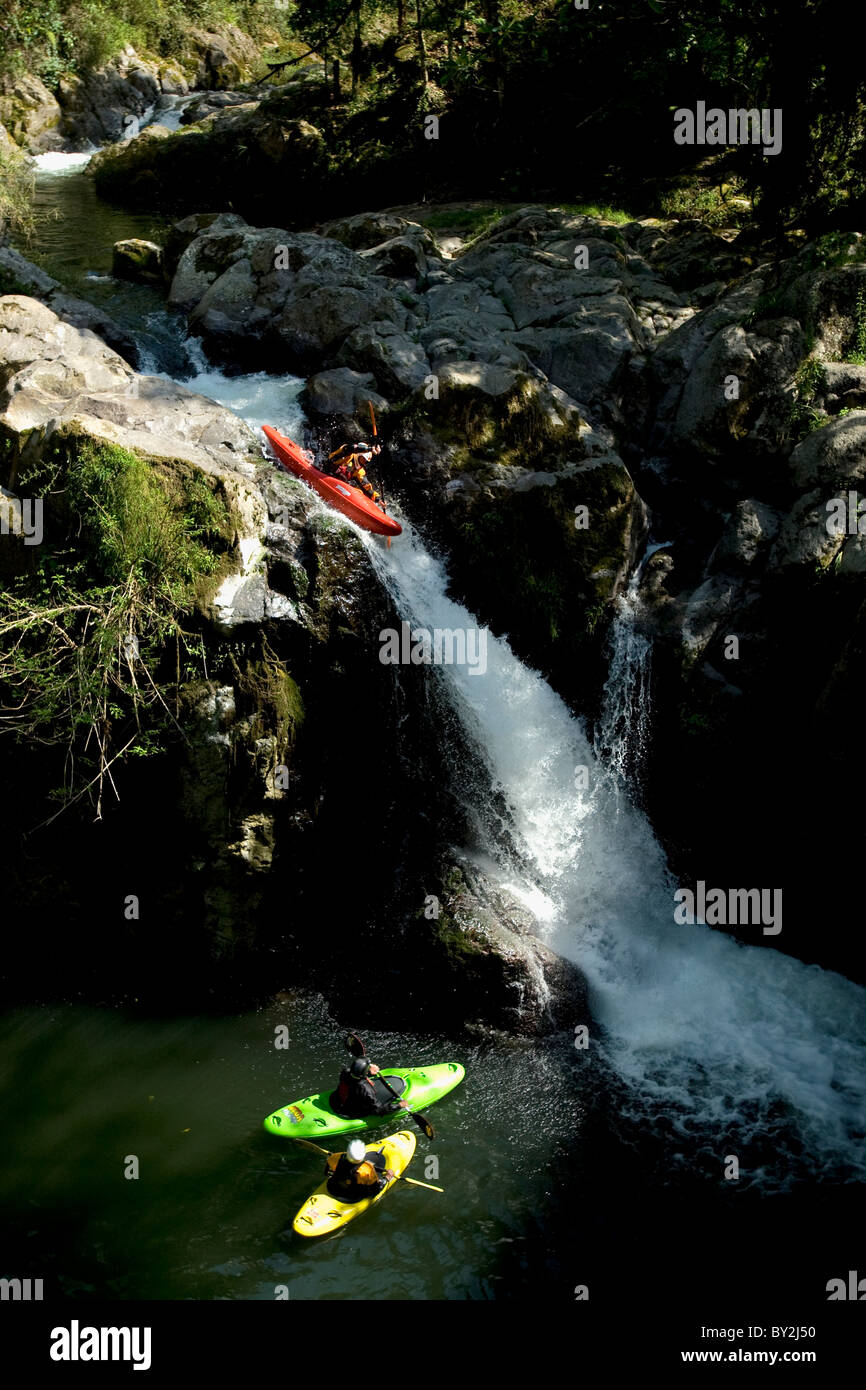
[[358, 1173], [358, 1096], [350, 463]]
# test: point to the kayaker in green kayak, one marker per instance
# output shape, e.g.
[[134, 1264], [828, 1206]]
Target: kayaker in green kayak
[[358, 1093], [358, 1173]]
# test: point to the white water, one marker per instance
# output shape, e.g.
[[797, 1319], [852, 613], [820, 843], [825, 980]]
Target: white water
[[710, 1032], [169, 116], [731, 1043], [54, 163]]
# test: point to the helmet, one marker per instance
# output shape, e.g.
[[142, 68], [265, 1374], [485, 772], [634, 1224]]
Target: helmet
[[359, 1067], [356, 1151]]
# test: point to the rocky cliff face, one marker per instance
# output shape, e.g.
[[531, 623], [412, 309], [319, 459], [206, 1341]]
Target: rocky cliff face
[[106, 105], [274, 818], [754, 439], [553, 394], [560, 364]]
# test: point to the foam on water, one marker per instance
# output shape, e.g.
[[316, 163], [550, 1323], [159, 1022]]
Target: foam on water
[[56, 163], [258, 398], [711, 1032]]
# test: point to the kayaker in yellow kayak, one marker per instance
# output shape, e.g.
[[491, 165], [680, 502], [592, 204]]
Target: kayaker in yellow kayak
[[358, 1173], [350, 462], [358, 1096]]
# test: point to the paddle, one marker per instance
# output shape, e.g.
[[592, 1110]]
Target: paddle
[[378, 465], [357, 1049], [413, 1182]]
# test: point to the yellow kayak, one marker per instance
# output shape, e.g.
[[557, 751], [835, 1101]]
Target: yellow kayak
[[323, 1213]]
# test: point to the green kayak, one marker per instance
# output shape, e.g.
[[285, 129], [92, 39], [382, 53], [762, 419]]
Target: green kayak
[[312, 1115]]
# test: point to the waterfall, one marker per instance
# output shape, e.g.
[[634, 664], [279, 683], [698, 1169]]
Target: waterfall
[[734, 1048], [724, 1047], [623, 729]]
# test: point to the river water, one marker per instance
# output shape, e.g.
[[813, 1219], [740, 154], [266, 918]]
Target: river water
[[559, 1165]]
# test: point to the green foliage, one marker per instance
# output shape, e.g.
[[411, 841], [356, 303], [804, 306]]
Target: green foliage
[[48, 37], [16, 208], [803, 417], [474, 220], [857, 355], [136, 528], [834, 249], [84, 636], [711, 204], [693, 723], [602, 211], [593, 616]]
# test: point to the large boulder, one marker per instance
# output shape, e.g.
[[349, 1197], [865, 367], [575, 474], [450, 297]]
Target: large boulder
[[485, 947], [344, 394], [30, 113], [54, 375], [108, 103], [828, 303], [224, 59], [398, 363], [19, 276], [274, 298], [137, 259], [254, 149]]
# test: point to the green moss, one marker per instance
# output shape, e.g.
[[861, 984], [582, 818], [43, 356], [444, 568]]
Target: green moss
[[272, 698], [96, 640], [459, 945]]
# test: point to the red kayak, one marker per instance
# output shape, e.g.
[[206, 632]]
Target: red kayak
[[343, 497]]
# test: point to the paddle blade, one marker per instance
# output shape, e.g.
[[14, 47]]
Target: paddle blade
[[355, 1045], [424, 1125]]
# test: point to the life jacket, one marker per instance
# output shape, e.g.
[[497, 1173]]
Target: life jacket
[[353, 1181], [355, 1096]]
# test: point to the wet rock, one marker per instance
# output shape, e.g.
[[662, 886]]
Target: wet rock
[[137, 259], [495, 969], [265, 295], [53, 373]]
